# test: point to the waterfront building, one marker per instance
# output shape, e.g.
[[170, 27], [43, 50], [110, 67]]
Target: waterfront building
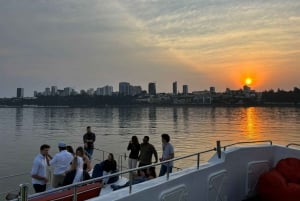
[[107, 90], [82, 92], [67, 91], [185, 89], [124, 88], [202, 97], [53, 90], [98, 91], [20, 92], [175, 88], [47, 91], [135, 90], [152, 88], [212, 90], [104, 91], [90, 92], [246, 89]]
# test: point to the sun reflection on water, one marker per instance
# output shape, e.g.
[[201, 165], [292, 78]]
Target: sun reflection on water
[[251, 126]]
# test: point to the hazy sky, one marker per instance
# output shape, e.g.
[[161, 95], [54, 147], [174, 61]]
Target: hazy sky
[[92, 43]]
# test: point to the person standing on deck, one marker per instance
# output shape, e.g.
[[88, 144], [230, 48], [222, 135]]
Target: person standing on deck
[[39, 169], [88, 139], [147, 150], [168, 153], [61, 163], [134, 147]]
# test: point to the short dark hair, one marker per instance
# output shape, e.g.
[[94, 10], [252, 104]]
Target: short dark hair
[[166, 137], [44, 146], [88, 127], [62, 148], [146, 137]]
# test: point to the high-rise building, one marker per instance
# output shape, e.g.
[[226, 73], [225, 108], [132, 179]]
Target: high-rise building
[[124, 88], [67, 91], [185, 89], [104, 91], [175, 88], [47, 91], [152, 88], [53, 90], [20, 92], [212, 90], [135, 90], [107, 90]]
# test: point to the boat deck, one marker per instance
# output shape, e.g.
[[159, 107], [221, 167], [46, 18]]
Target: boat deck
[[256, 198]]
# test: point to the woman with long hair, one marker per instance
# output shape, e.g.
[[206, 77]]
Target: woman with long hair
[[134, 147], [86, 161], [76, 172]]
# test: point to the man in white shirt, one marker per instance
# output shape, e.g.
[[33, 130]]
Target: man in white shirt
[[61, 163], [39, 169], [168, 153]]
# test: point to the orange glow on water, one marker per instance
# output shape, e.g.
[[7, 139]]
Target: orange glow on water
[[251, 125]]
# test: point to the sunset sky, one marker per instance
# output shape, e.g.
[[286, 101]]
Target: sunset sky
[[92, 43]]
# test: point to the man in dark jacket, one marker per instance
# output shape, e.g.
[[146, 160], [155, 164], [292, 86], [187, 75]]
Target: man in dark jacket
[[88, 139], [147, 150]]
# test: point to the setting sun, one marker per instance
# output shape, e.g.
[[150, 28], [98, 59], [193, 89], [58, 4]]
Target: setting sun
[[248, 81]]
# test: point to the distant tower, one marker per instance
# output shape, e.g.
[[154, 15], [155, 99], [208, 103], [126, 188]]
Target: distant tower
[[67, 91], [53, 90], [185, 89], [107, 90], [152, 88], [247, 89], [212, 90], [20, 92], [175, 88], [124, 88], [47, 91]]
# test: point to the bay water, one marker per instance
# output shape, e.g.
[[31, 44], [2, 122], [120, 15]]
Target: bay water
[[192, 129]]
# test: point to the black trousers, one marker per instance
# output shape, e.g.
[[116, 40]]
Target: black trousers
[[39, 188]]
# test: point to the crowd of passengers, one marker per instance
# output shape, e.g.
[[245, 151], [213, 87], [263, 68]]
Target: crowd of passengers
[[75, 166]]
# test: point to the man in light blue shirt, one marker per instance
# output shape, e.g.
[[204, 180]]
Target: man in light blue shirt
[[61, 163], [168, 153], [39, 169]]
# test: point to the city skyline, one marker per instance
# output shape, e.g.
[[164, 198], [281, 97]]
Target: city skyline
[[197, 43], [126, 88]]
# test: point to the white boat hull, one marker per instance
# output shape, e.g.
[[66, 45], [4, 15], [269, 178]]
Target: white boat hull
[[233, 177]]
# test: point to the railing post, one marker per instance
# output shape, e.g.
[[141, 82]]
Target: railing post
[[198, 161], [168, 173], [130, 181], [75, 193], [219, 148], [102, 155], [121, 164], [23, 192]]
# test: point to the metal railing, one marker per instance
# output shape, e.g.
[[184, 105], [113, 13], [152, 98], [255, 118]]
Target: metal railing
[[293, 144], [250, 142], [130, 172], [120, 158]]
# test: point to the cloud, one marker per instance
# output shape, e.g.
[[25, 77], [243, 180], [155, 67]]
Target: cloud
[[94, 43]]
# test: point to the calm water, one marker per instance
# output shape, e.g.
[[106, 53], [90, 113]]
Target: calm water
[[192, 129]]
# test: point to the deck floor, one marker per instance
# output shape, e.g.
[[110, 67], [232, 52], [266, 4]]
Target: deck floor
[[256, 198]]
